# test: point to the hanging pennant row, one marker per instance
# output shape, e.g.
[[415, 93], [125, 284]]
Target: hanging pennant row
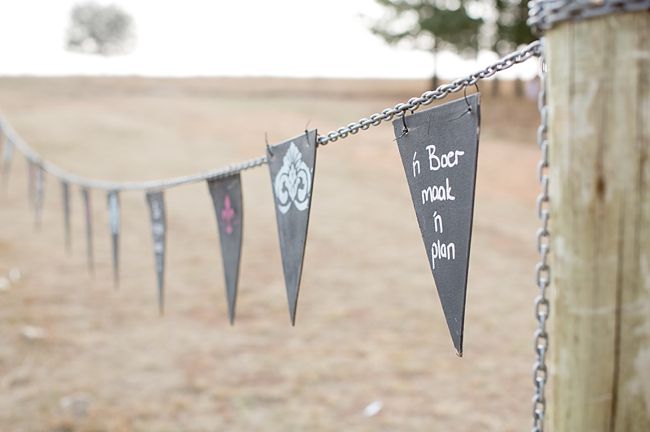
[[438, 148]]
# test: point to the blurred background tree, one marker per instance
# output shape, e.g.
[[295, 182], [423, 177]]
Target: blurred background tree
[[98, 29], [511, 32], [461, 26], [431, 25]]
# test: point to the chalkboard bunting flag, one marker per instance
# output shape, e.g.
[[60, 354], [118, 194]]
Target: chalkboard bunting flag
[[114, 224], [439, 149], [156, 201], [90, 259], [226, 193], [7, 156], [39, 195], [65, 198], [292, 165], [3, 143], [31, 183]]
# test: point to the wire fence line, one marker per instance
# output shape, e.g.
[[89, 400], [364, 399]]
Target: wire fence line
[[13, 138]]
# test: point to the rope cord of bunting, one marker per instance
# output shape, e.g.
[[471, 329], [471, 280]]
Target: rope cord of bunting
[[516, 57]]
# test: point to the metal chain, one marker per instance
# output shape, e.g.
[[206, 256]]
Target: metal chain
[[427, 97], [545, 14], [543, 269], [376, 119], [32, 156]]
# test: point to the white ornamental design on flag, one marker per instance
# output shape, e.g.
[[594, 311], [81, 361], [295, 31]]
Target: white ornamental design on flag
[[293, 181]]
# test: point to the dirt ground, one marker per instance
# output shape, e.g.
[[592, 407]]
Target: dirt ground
[[77, 355]]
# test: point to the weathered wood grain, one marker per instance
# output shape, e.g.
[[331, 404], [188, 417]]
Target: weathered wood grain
[[599, 100]]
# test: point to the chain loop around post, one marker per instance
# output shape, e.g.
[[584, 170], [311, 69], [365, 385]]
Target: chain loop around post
[[543, 268], [543, 15]]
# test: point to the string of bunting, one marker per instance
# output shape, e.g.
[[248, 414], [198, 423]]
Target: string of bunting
[[438, 147]]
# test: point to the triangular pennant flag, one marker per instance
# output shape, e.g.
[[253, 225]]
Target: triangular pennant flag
[[114, 223], [90, 260], [7, 155], [31, 182], [65, 197], [39, 194], [292, 166], [439, 149], [156, 201], [228, 207]]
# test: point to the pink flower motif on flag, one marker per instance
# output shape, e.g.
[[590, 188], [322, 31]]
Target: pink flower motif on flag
[[228, 214]]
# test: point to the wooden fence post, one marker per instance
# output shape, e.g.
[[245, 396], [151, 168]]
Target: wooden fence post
[[599, 126]]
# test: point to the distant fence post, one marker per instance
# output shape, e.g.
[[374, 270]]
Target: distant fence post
[[599, 131]]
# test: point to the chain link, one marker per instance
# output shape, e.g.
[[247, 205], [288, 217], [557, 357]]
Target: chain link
[[545, 14], [542, 269]]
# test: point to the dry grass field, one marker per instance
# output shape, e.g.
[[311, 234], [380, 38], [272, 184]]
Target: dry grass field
[[77, 355]]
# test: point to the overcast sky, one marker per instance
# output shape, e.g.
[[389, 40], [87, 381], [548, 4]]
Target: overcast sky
[[218, 37]]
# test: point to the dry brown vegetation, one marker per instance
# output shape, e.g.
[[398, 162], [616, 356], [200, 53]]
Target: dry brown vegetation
[[370, 326]]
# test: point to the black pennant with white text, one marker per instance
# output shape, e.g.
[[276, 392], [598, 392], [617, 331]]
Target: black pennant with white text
[[228, 208], [292, 166], [439, 149], [156, 201]]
